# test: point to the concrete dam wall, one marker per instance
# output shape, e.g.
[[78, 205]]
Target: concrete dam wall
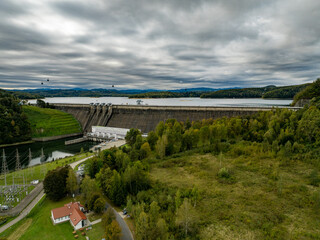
[[145, 117], [87, 115]]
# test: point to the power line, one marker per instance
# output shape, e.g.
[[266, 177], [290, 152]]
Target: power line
[[4, 169]]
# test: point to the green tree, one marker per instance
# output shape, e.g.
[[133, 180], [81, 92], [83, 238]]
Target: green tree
[[142, 227], [161, 146], [104, 180], [186, 216], [117, 193], [93, 166], [92, 199], [145, 150], [99, 205], [88, 187], [160, 128], [72, 182], [152, 139], [113, 231], [131, 136], [162, 229], [54, 184], [108, 217]]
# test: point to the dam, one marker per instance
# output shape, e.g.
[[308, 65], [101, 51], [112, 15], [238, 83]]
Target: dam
[[145, 117]]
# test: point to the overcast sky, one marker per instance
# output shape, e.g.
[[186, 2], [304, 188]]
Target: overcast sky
[[162, 44]]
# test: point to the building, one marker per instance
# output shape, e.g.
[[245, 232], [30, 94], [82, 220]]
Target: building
[[71, 212], [108, 132]]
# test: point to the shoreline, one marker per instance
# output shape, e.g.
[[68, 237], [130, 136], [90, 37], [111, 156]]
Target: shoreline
[[16, 144]]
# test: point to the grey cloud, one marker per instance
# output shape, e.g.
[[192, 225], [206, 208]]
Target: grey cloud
[[158, 44]]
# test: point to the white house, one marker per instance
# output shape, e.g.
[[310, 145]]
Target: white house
[[70, 212]]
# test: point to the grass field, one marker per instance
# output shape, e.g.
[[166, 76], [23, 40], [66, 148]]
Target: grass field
[[265, 198], [46, 122], [38, 225]]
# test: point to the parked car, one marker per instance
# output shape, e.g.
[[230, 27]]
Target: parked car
[[4, 207]]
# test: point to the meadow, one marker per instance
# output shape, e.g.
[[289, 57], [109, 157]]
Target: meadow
[[261, 197]]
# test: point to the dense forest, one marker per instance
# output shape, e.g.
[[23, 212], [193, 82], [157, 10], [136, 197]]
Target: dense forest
[[273, 154], [263, 92], [14, 126], [167, 94], [309, 92]]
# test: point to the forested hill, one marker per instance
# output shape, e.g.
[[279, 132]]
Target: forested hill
[[263, 92], [14, 126], [167, 94], [311, 91]]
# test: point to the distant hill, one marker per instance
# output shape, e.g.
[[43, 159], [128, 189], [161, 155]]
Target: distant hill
[[271, 91], [99, 92]]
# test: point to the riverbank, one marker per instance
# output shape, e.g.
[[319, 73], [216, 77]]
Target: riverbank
[[46, 139], [16, 144]]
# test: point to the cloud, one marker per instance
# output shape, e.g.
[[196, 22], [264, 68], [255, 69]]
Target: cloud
[[164, 44]]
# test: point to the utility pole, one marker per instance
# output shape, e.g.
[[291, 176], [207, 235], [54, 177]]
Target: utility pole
[[18, 164], [30, 155], [4, 169]]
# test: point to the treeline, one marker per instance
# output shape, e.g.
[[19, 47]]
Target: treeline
[[309, 92], [14, 126], [167, 94], [25, 95], [42, 93], [264, 92]]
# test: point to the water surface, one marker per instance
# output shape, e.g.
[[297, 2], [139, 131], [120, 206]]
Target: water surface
[[215, 102]]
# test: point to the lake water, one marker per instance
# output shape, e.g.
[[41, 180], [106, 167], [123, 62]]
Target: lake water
[[217, 102], [51, 150]]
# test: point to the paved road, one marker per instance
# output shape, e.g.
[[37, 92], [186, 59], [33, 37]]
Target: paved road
[[125, 231]]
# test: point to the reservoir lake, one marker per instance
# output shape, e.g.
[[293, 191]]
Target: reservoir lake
[[214, 102]]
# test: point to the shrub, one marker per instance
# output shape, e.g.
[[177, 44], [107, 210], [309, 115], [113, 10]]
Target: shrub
[[99, 205], [314, 179], [224, 173]]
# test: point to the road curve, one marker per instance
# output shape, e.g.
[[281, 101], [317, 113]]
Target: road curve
[[125, 231]]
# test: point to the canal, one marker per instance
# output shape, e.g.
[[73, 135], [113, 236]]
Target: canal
[[42, 152]]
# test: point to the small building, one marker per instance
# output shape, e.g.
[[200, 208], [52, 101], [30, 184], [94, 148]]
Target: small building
[[72, 212]]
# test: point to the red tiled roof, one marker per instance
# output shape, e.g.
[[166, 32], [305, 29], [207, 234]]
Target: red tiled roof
[[60, 212], [70, 209], [76, 216]]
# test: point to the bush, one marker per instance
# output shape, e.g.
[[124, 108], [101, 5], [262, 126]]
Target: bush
[[314, 179], [99, 205], [224, 173]]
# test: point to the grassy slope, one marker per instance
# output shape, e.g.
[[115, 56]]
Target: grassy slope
[[267, 200], [47, 122]]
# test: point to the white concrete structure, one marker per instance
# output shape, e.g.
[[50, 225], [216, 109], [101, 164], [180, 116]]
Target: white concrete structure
[[109, 132]]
